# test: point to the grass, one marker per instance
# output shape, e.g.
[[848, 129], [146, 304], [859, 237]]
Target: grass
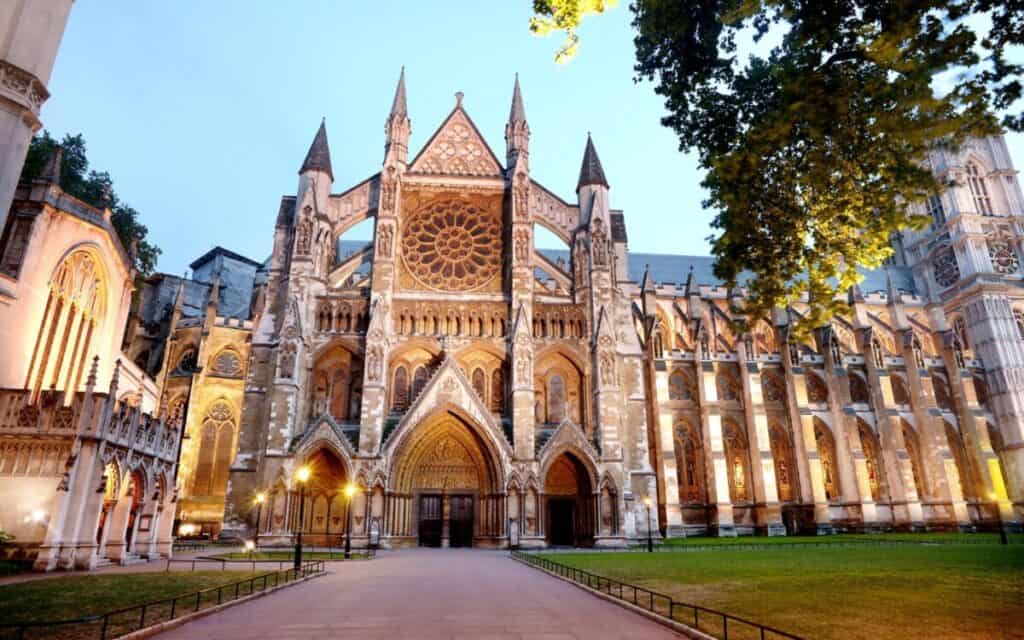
[[287, 555], [52, 599], [920, 592], [844, 539]]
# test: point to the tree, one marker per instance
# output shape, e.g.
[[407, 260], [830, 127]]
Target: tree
[[814, 150], [92, 187]]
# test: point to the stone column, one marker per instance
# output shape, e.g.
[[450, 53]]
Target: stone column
[[762, 471], [666, 463]]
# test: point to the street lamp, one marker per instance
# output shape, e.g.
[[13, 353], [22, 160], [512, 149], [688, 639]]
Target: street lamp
[[249, 546], [302, 475], [650, 540], [261, 497], [350, 492], [999, 519]]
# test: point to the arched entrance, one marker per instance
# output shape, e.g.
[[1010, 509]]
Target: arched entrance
[[446, 487], [324, 515], [568, 503]]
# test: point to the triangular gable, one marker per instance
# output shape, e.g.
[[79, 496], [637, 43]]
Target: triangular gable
[[325, 430], [457, 148], [568, 434], [448, 387]]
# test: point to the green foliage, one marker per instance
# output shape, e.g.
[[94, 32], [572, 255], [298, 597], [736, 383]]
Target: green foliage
[[5, 537], [564, 15], [814, 149], [95, 188]]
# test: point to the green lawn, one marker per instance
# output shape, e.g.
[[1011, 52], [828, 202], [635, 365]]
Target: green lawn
[[64, 598], [845, 539], [907, 591], [287, 555]]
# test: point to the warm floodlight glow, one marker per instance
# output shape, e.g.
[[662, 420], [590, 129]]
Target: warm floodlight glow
[[302, 474], [187, 529], [350, 490], [39, 515], [648, 501], [249, 545], [261, 497]]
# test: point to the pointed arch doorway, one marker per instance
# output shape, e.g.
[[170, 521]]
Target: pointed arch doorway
[[569, 503], [447, 487]]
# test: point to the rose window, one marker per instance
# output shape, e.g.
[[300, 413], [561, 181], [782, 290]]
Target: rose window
[[1004, 259], [947, 271], [452, 246]]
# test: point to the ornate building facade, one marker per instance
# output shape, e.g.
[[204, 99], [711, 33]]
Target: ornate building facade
[[481, 391]]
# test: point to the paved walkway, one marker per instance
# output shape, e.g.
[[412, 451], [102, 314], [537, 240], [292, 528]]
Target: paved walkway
[[427, 594]]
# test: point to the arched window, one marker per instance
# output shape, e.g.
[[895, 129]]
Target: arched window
[[216, 451], [728, 386], [942, 396], [556, 398], [74, 311], [679, 386], [827, 454], [419, 380], [936, 210], [400, 393], [782, 456], [690, 462], [659, 346], [872, 459], [979, 190], [773, 387], [859, 389], [736, 462], [480, 384], [817, 392], [956, 446], [497, 391], [913, 446], [877, 354], [227, 364]]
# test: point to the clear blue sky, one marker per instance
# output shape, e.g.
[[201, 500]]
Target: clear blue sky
[[202, 112]]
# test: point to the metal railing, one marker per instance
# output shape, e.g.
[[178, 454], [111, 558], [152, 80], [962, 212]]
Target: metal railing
[[119, 622], [664, 606]]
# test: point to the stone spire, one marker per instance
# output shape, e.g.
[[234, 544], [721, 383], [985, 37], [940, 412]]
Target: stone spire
[[319, 156], [517, 131], [591, 172], [397, 127]]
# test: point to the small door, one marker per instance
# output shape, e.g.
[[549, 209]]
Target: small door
[[562, 521], [460, 522], [430, 520]]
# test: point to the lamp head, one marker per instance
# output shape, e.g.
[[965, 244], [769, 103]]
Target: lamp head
[[350, 490], [302, 475], [249, 545], [647, 501], [261, 497]]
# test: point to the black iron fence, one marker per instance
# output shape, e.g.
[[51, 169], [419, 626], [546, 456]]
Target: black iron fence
[[113, 624], [704, 619]]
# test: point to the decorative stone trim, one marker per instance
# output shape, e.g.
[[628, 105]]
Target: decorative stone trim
[[22, 87]]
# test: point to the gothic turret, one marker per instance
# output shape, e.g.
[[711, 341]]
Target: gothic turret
[[398, 127], [319, 156], [591, 171], [517, 131]]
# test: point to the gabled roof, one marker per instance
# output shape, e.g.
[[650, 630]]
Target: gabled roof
[[591, 171], [319, 156], [457, 148]]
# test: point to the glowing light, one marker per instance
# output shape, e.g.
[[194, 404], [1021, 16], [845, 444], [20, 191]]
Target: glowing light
[[249, 545], [350, 490], [302, 475], [261, 497], [187, 529], [38, 515], [648, 501]]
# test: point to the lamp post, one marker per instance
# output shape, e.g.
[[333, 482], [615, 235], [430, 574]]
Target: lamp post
[[302, 475], [999, 520], [261, 497], [650, 540], [350, 492]]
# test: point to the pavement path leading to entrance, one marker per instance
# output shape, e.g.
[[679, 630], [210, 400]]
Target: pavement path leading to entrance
[[427, 594]]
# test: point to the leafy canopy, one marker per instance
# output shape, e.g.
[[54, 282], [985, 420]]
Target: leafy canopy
[[814, 149], [92, 187]]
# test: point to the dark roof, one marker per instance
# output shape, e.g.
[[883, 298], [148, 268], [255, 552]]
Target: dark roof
[[517, 113], [671, 269], [591, 171], [286, 212], [214, 252], [398, 105], [319, 156]]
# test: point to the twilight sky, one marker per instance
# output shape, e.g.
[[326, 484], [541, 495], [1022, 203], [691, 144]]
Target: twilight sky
[[203, 115]]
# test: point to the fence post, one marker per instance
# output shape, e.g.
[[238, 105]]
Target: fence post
[[142, 618], [103, 629], [725, 627], [199, 594], [174, 605]]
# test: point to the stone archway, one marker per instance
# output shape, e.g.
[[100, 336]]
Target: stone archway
[[568, 503], [324, 514], [447, 487]]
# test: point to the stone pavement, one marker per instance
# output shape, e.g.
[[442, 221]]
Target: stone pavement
[[427, 594]]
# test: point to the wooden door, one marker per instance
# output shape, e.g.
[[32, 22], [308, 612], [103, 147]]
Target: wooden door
[[460, 521], [430, 521]]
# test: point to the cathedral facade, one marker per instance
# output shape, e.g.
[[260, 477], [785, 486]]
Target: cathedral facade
[[480, 391]]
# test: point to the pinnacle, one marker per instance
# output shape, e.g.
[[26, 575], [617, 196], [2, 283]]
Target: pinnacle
[[398, 105], [319, 156], [517, 113], [591, 172]]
